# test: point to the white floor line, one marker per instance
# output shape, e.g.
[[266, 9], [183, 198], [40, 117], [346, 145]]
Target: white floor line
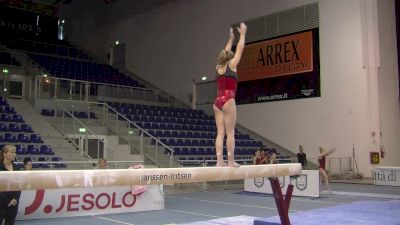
[[234, 204], [367, 187], [370, 195], [115, 221], [293, 199], [193, 213]]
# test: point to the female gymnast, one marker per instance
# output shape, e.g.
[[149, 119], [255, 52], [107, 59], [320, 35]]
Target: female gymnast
[[322, 162], [225, 105]]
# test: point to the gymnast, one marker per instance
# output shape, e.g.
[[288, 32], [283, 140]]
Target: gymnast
[[224, 105], [322, 162]]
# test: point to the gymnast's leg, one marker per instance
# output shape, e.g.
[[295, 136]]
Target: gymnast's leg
[[229, 111], [219, 141]]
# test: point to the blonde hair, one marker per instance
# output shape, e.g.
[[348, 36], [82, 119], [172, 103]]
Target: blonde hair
[[5, 149], [224, 56]]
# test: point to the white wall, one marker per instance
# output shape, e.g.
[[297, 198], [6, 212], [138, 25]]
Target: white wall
[[173, 44], [388, 80]]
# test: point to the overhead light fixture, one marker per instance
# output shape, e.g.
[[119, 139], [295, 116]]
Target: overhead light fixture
[[117, 42], [204, 78]]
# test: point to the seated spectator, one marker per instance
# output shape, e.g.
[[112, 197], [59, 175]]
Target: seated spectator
[[102, 164], [273, 159], [257, 158], [27, 164], [264, 157]]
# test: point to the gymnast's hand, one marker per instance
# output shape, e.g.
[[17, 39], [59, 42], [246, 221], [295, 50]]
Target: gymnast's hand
[[231, 35], [13, 202], [242, 29]]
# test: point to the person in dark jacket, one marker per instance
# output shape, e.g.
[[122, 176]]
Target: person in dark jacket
[[8, 200], [302, 157]]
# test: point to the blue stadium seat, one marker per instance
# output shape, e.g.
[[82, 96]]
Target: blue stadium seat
[[20, 150], [12, 127], [46, 150], [8, 137], [9, 110], [26, 128], [3, 127], [35, 138], [23, 138], [33, 150], [17, 119], [5, 118]]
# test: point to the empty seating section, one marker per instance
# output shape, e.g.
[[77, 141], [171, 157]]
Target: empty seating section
[[59, 47], [14, 130], [63, 60], [83, 70], [189, 132], [7, 59], [77, 114]]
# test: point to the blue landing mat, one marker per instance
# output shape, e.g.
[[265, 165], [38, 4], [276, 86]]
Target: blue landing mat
[[356, 213]]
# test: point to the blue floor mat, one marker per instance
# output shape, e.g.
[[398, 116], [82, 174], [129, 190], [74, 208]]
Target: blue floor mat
[[357, 213]]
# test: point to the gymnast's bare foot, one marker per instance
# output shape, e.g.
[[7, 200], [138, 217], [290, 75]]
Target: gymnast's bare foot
[[220, 164], [232, 163]]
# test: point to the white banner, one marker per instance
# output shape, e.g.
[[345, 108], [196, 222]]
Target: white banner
[[307, 184], [387, 176], [38, 204]]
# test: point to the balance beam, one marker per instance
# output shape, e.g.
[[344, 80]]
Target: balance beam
[[55, 179]]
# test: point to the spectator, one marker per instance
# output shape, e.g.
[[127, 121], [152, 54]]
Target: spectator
[[8, 200], [301, 157], [27, 164], [273, 159], [257, 158], [264, 157], [102, 164]]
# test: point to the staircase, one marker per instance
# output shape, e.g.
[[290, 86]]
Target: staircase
[[131, 137], [49, 134]]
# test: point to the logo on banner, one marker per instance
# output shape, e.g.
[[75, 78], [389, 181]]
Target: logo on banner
[[259, 182], [301, 182], [81, 202], [307, 92], [281, 181]]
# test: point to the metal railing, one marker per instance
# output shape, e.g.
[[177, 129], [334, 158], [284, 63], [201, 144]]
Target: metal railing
[[73, 129], [337, 167], [127, 131], [73, 165]]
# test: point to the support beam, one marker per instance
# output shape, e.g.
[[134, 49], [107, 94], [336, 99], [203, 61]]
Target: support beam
[[54, 179]]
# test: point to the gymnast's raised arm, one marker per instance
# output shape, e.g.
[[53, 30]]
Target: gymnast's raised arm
[[240, 46]]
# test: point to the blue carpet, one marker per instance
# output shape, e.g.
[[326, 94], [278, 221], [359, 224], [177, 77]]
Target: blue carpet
[[357, 213]]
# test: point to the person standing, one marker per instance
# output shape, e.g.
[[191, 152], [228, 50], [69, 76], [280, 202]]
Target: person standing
[[8, 200], [322, 163], [301, 157], [224, 105]]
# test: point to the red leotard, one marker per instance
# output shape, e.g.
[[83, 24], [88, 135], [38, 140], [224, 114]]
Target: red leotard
[[322, 162], [226, 87], [258, 161]]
